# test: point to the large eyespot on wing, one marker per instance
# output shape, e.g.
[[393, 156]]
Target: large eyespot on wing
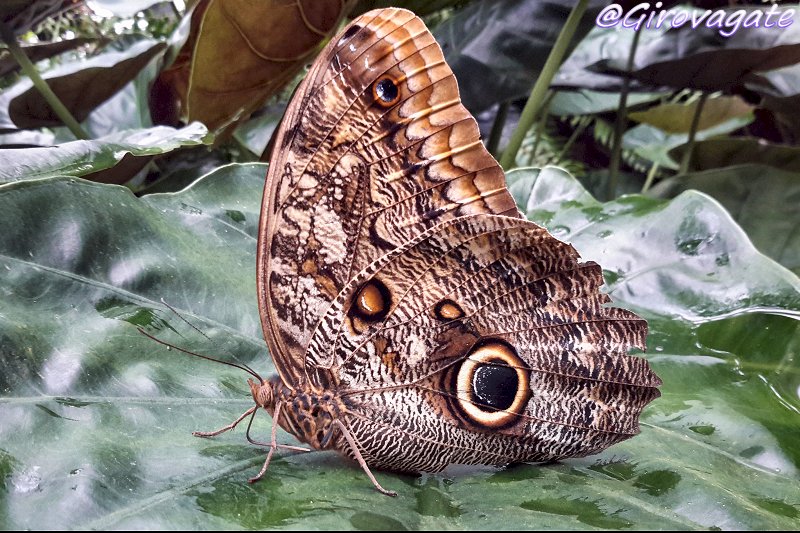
[[484, 302], [491, 385], [375, 148]]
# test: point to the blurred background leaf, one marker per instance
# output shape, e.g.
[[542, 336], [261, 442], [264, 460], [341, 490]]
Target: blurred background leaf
[[273, 40], [81, 85], [90, 158], [497, 48], [23, 15], [38, 52], [678, 118], [717, 153]]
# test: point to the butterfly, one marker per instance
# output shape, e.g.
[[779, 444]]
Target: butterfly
[[415, 317]]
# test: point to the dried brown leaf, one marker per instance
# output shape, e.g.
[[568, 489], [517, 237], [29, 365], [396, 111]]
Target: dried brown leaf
[[243, 52]]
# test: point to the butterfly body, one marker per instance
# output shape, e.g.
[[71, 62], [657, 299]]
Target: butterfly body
[[308, 415], [415, 318]]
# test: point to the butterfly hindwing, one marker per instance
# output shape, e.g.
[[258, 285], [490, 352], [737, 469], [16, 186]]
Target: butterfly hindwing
[[477, 289]]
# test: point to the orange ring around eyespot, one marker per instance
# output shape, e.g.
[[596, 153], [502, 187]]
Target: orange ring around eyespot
[[493, 351], [379, 91]]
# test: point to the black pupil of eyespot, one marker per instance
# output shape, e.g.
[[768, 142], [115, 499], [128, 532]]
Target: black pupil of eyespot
[[494, 385], [386, 90]]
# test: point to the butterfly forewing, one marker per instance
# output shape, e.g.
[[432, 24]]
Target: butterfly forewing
[[375, 148]]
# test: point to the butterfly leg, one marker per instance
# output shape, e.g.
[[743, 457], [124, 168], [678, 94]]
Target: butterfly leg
[[353, 446], [273, 443], [229, 427], [251, 440]]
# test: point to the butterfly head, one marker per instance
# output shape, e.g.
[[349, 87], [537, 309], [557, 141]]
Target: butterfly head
[[263, 393]]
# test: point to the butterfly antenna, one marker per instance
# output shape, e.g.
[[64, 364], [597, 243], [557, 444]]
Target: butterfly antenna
[[171, 346], [175, 311], [201, 332]]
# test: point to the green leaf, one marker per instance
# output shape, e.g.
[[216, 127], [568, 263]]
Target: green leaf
[[762, 199], [678, 118], [23, 15], [716, 153], [684, 258], [127, 109], [654, 144], [684, 58], [96, 418], [587, 102], [80, 158], [601, 45]]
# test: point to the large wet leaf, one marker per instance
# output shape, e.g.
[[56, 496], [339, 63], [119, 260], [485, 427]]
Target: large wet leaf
[[684, 258], [96, 418], [762, 199]]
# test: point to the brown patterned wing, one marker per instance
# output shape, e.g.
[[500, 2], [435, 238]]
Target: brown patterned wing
[[484, 340], [374, 149]]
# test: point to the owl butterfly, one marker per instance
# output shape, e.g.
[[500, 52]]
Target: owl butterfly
[[415, 317]]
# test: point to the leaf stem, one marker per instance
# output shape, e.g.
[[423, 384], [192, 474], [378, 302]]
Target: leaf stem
[[41, 85], [497, 127], [541, 124], [687, 154], [539, 90], [651, 175], [621, 119]]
